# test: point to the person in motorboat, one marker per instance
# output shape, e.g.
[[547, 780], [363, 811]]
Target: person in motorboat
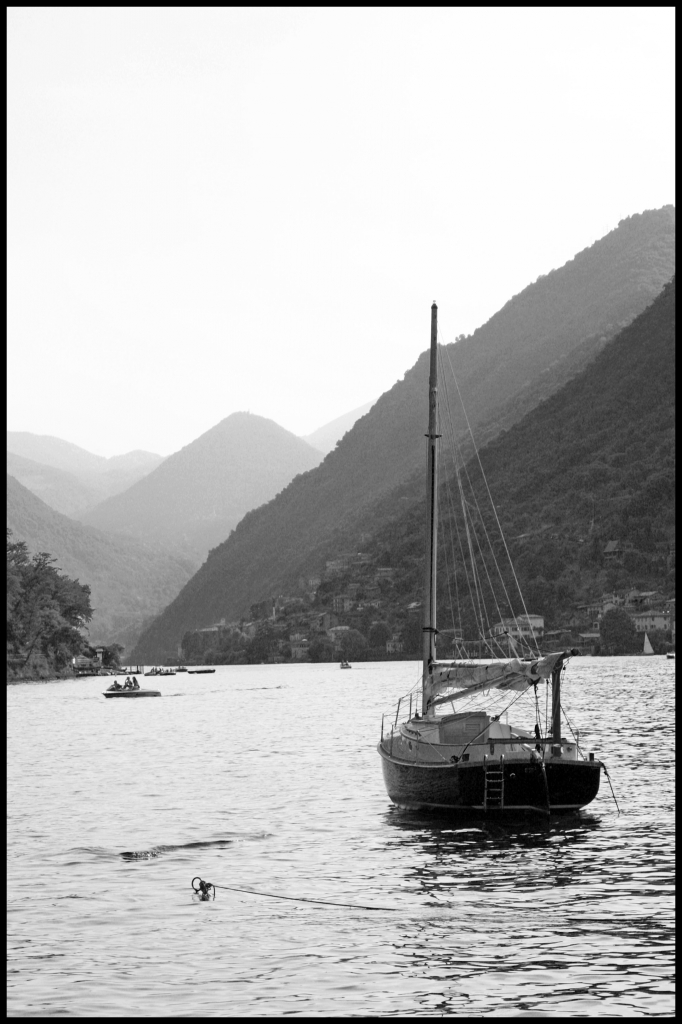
[[134, 684], [115, 685], [128, 685]]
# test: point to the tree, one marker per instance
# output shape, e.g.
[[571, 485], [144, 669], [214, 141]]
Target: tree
[[353, 644], [45, 609], [379, 634], [412, 634], [321, 649], [260, 648], [617, 632]]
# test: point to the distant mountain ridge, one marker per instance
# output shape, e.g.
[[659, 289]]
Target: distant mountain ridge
[[62, 491], [69, 478], [527, 351], [195, 498], [130, 582], [326, 437]]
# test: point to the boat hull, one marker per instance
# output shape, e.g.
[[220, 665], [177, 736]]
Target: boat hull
[[132, 693], [563, 787]]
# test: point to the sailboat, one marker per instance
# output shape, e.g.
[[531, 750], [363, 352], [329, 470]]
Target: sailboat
[[472, 761], [647, 649]]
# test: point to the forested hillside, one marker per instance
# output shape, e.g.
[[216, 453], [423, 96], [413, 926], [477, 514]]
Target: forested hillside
[[592, 464], [526, 352], [129, 581], [199, 494]]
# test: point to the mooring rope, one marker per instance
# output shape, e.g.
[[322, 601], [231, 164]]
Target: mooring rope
[[204, 888], [608, 779]]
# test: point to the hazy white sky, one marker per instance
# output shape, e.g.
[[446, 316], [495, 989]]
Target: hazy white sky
[[218, 208]]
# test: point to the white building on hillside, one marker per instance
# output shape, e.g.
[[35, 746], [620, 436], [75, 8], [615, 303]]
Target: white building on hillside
[[522, 627]]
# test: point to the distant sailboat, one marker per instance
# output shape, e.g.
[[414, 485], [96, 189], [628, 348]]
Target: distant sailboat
[[648, 649]]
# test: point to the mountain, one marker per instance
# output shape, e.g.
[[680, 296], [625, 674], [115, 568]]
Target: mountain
[[325, 438], [537, 342], [594, 463], [52, 451], [71, 479], [129, 581], [197, 495], [62, 491]]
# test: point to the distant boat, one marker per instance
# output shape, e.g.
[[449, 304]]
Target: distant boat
[[139, 692], [344, 664], [670, 655], [160, 671], [648, 649], [181, 668], [200, 671]]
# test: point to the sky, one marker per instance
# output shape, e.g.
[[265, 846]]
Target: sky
[[215, 209]]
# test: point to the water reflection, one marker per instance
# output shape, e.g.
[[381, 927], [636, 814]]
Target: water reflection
[[532, 910]]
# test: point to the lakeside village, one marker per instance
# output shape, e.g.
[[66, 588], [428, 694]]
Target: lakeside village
[[355, 611]]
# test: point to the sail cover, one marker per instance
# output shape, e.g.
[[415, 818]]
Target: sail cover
[[470, 676]]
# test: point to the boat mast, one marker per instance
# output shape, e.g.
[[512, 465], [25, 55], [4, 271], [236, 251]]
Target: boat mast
[[556, 702], [429, 627]]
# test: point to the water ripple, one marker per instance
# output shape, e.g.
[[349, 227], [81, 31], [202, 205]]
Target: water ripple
[[271, 781]]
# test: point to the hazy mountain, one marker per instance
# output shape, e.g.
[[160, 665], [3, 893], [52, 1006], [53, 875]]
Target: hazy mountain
[[325, 438], [62, 491], [194, 498], [537, 342], [129, 581], [52, 451], [95, 476]]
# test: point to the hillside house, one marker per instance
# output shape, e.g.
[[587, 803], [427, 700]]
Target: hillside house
[[651, 618], [613, 552], [361, 558], [335, 567], [523, 627], [325, 621], [342, 603], [637, 600], [395, 644], [215, 628], [299, 646], [335, 631]]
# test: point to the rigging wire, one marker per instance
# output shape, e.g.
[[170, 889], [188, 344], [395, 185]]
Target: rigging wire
[[476, 505], [485, 481]]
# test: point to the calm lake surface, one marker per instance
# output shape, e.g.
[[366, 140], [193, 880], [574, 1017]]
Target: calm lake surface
[[267, 777]]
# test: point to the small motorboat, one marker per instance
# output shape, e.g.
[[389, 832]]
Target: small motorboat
[[200, 671], [116, 690], [181, 668], [160, 672], [344, 664], [670, 655]]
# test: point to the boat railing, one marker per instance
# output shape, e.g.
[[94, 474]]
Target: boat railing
[[407, 711]]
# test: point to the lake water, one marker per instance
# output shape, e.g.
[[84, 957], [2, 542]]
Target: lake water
[[267, 777]]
